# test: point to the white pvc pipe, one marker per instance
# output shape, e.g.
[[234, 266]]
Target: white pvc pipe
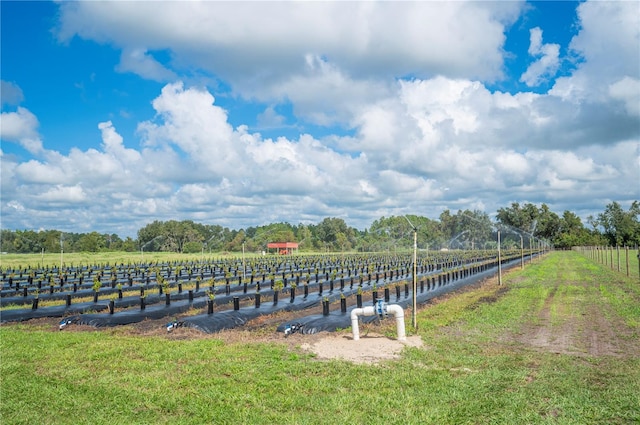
[[395, 309]]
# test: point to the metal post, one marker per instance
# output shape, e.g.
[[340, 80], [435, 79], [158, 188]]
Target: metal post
[[415, 278], [414, 302], [521, 253], [499, 261], [244, 268]]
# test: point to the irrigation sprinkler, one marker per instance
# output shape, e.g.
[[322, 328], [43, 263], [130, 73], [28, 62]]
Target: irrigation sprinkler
[[499, 253], [152, 240], [206, 244], [454, 239], [516, 232], [300, 244], [531, 241]]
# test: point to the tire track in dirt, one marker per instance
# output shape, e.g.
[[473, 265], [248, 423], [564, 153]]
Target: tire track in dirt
[[579, 326], [541, 335]]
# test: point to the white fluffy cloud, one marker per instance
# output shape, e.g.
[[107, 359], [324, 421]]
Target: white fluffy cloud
[[607, 46], [547, 61], [21, 126], [304, 51], [142, 63], [437, 138], [200, 163]]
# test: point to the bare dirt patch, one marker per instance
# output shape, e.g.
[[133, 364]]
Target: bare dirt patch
[[372, 348], [582, 330]]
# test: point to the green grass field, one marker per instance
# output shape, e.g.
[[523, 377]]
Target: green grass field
[[557, 343], [89, 258]]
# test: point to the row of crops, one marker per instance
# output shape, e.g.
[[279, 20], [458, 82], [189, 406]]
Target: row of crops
[[226, 293]]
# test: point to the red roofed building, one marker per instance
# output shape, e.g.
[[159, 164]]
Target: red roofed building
[[284, 248]]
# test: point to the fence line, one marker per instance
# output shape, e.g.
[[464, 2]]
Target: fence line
[[613, 256]]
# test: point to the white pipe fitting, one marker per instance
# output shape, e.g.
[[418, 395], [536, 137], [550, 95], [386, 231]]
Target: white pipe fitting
[[395, 309]]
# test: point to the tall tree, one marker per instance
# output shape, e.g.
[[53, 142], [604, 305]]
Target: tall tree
[[150, 232], [522, 218], [475, 227], [621, 227], [90, 242]]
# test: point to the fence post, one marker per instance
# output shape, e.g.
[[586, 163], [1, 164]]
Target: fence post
[[626, 256]]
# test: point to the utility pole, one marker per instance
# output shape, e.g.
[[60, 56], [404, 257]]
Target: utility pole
[[499, 261], [415, 278], [414, 302], [244, 267], [61, 250], [521, 252]]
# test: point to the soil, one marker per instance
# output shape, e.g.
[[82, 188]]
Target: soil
[[372, 348], [587, 330]]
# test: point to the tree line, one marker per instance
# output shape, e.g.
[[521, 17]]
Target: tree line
[[526, 224]]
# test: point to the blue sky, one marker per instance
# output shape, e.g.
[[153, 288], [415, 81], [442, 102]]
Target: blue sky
[[115, 114]]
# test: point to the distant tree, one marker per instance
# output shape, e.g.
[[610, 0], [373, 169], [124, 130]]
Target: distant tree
[[129, 245], [448, 225], [476, 226], [90, 242], [465, 229], [114, 243], [539, 222], [522, 218], [429, 234], [621, 227], [215, 236], [275, 232], [7, 238], [548, 223], [304, 236], [150, 232], [571, 232], [176, 235], [192, 247], [236, 243], [332, 232]]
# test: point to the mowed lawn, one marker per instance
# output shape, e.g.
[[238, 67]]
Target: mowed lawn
[[557, 343]]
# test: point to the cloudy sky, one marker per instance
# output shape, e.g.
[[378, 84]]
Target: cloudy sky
[[115, 114]]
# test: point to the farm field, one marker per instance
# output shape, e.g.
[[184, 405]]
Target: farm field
[[80, 293], [557, 342]]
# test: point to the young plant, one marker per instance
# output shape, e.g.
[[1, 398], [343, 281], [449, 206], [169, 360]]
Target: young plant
[[96, 284], [278, 285], [164, 283]]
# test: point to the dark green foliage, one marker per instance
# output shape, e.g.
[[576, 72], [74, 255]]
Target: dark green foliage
[[462, 230]]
